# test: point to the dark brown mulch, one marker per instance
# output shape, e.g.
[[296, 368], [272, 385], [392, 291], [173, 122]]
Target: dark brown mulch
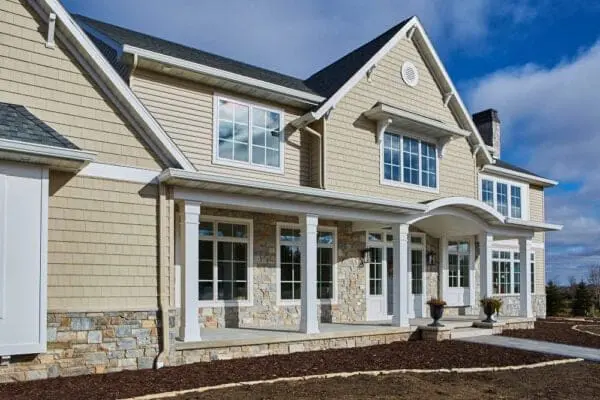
[[559, 331], [399, 355], [572, 381]]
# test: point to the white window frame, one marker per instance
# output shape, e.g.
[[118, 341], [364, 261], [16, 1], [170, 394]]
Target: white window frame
[[334, 246], [524, 194], [401, 183], [471, 254], [512, 251], [215, 239], [247, 164]]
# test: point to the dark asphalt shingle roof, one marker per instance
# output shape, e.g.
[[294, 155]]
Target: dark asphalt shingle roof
[[323, 83], [328, 80], [125, 36], [512, 167], [17, 123]]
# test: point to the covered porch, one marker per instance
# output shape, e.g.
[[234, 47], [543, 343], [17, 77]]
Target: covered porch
[[263, 308]]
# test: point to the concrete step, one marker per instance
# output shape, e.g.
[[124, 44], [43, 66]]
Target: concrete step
[[459, 333]]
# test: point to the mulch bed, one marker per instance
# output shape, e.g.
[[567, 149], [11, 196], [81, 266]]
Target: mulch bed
[[560, 331], [571, 381], [417, 354]]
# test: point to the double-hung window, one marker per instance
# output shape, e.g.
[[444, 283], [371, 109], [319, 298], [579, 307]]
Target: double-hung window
[[290, 264], [224, 258], [409, 161], [506, 197], [247, 134]]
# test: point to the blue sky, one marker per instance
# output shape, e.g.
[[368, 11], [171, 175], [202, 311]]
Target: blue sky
[[536, 62]]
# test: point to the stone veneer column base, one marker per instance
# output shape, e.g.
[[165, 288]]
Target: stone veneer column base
[[92, 342]]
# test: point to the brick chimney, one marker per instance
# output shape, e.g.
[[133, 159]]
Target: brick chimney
[[488, 124]]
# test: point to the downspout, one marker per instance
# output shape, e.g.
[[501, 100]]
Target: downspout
[[318, 135], [163, 268]]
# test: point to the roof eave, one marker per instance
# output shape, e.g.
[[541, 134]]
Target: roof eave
[[56, 157], [535, 226], [298, 95], [536, 180]]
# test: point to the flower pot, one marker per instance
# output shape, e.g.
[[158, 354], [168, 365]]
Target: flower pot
[[436, 312], [489, 310]]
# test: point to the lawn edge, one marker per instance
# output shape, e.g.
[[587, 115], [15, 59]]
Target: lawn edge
[[355, 373]]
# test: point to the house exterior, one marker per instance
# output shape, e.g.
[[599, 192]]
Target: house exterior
[[149, 190]]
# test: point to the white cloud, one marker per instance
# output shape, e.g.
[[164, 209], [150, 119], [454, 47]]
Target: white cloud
[[551, 117]]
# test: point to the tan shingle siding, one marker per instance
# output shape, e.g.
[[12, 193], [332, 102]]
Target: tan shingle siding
[[55, 89], [348, 133], [537, 214], [102, 244], [185, 111]]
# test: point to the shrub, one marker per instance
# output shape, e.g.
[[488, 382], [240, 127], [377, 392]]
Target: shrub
[[582, 305], [555, 300]]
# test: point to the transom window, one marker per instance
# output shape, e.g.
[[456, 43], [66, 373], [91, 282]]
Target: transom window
[[248, 134], [224, 251], [459, 260], [290, 262], [409, 160], [505, 197], [506, 271]]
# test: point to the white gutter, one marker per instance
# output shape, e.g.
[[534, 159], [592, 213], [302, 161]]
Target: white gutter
[[178, 174], [219, 73], [40, 150], [521, 175]]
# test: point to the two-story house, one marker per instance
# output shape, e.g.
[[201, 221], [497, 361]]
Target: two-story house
[[152, 193]]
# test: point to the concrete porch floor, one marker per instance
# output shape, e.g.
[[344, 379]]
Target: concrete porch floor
[[224, 337]]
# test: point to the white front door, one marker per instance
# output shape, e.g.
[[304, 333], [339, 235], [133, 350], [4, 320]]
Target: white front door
[[376, 285], [460, 266]]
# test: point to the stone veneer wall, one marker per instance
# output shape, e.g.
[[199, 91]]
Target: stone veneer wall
[[512, 305], [93, 342], [265, 312]]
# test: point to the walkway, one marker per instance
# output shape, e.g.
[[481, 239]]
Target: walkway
[[586, 353]]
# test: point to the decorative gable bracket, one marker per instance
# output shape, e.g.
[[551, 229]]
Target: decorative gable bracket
[[51, 28], [382, 125], [442, 144], [370, 72], [410, 33], [447, 97]]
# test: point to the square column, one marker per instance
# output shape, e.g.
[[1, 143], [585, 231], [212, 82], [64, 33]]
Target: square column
[[189, 221], [309, 322], [485, 267], [526, 309], [443, 273], [401, 296]]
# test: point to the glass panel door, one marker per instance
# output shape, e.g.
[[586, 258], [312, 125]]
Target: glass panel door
[[390, 280]]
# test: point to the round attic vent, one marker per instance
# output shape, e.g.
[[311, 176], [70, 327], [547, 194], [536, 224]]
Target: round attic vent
[[410, 74]]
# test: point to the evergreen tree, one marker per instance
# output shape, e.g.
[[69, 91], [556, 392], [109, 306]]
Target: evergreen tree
[[555, 301], [583, 302]]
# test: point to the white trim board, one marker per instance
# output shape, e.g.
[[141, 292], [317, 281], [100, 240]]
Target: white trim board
[[219, 73], [41, 150], [92, 60], [119, 173]]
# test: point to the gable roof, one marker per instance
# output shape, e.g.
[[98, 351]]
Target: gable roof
[[123, 37], [330, 79], [17, 123], [92, 60]]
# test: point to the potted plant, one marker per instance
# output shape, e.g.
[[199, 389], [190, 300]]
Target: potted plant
[[490, 306], [436, 310]]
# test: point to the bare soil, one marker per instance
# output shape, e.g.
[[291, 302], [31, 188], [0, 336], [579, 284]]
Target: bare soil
[[560, 331], [417, 354], [571, 381]]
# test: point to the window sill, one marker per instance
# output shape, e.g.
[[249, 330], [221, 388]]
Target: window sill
[[224, 303], [285, 303], [248, 166], [410, 186]]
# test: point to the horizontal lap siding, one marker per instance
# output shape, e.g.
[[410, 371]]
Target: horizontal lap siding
[[55, 89], [349, 133], [102, 244], [185, 111], [537, 214]]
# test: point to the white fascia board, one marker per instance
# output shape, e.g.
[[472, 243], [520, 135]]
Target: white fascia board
[[105, 72], [120, 173], [46, 151], [178, 174], [219, 73], [519, 175], [536, 226]]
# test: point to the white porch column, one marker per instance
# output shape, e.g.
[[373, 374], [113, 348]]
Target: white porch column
[[443, 274], [485, 266], [526, 309], [309, 322], [401, 284], [189, 220]]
